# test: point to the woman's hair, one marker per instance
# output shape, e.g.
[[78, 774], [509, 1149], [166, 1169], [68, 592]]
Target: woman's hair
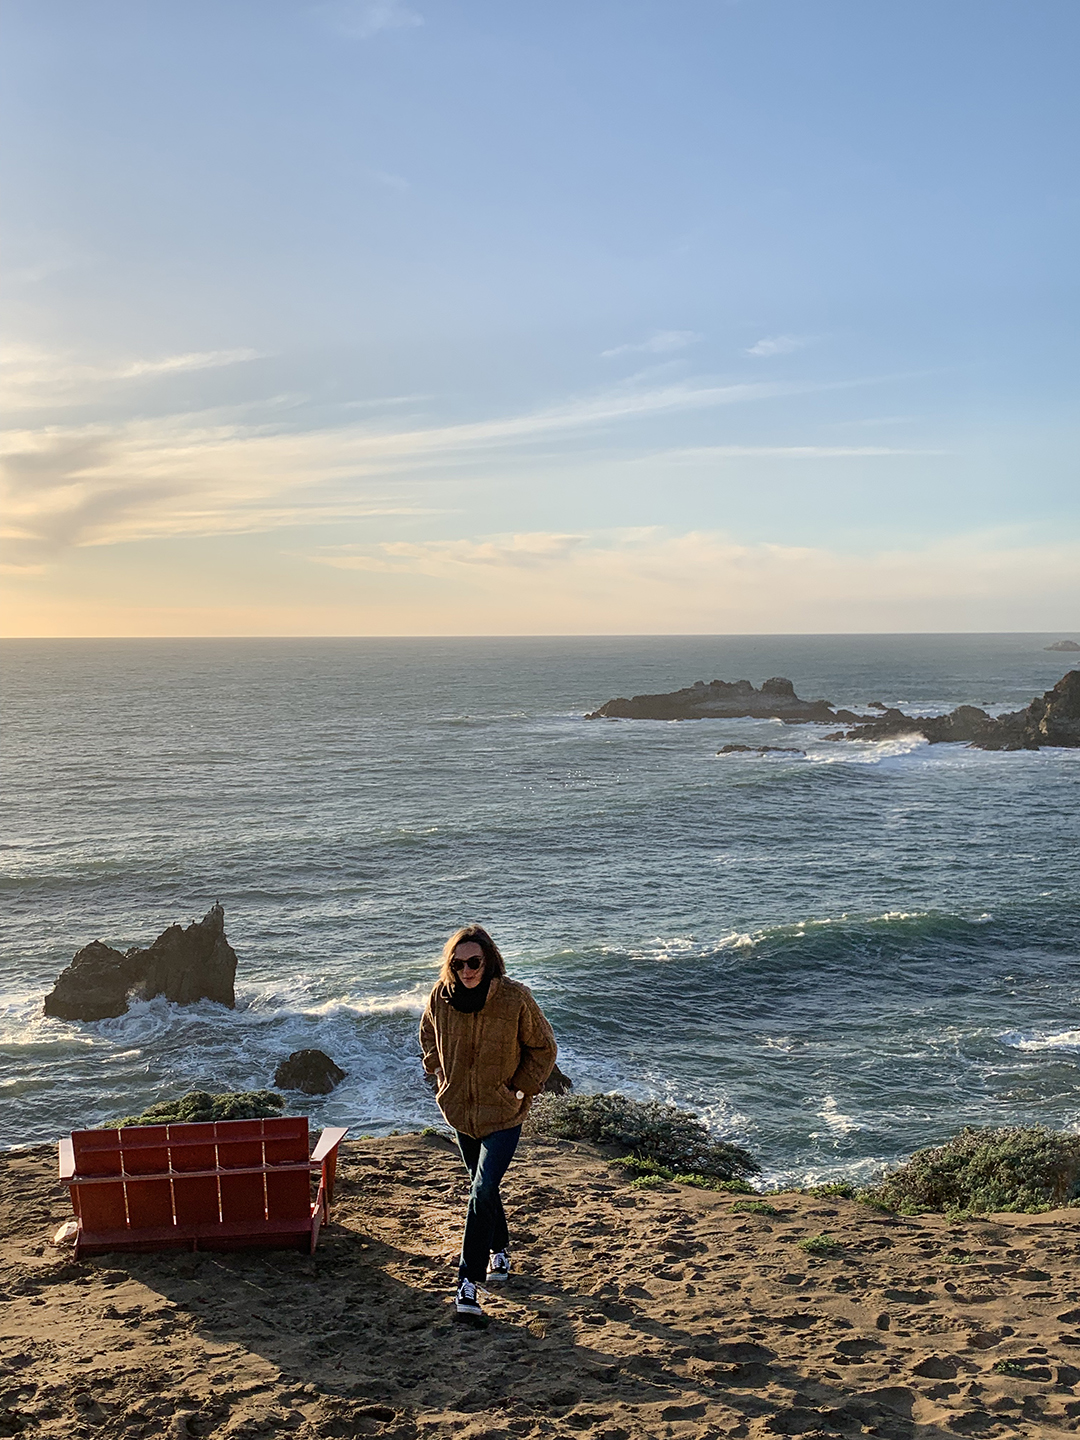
[[493, 961]]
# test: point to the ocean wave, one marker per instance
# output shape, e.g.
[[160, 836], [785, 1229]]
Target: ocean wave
[[834, 936], [1067, 1040], [836, 1121]]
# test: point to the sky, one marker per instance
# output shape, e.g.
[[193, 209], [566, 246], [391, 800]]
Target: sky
[[419, 317]]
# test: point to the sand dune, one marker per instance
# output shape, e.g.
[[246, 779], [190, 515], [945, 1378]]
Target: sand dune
[[665, 1312]]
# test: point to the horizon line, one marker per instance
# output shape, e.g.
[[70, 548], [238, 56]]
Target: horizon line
[[578, 635]]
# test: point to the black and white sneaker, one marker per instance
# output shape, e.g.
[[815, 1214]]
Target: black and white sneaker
[[468, 1302], [498, 1268]]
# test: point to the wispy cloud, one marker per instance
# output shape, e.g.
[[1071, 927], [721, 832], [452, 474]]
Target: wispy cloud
[[361, 19], [35, 379], [390, 181], [215, 472], [871, 422], [530, 551], [691, 454], [663, 342], [778, 345]]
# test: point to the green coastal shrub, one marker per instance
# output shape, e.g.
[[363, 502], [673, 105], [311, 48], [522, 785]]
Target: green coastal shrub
[[675, 1140], [198, 1106], [1017, 1167]]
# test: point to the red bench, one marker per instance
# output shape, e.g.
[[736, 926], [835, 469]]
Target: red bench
[[219, 1185]]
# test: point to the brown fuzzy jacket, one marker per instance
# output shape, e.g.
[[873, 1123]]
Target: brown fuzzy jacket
[[480, 1060]]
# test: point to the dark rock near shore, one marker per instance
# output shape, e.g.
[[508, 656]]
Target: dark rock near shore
[[183, 965], [1051, 719], [1069, 645], [725, 700], [311, 1071], [557, 1083], [760, 750]]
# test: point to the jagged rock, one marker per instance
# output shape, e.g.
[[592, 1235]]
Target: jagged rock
[[311, 1071], [182, 965], [557, 1083], [723, 700], [1063, 645], [193, 964], [1051, 719], [95, 985]]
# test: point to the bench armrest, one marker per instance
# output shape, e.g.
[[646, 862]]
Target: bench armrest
[[329, 1140], [67, 1161], [325, 1153]]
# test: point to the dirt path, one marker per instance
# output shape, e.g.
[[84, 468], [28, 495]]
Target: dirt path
[[632, 1313]]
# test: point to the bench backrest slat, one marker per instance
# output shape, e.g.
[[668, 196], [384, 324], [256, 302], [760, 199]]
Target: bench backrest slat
[[97, 1152], [153, 1191]]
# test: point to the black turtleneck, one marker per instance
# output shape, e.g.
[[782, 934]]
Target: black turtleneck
[[466, 1000]]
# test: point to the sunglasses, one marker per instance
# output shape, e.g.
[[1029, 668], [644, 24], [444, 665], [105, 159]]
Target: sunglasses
[[458, 965]]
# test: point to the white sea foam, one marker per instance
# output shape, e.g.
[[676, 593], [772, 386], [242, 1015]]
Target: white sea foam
[[1036, 1042], [860, 1173], [837, 1122]]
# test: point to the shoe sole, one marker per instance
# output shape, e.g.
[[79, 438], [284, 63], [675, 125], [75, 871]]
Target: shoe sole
[[498, 1277]]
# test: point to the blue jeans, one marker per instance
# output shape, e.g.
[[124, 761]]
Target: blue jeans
[[487, 1161]]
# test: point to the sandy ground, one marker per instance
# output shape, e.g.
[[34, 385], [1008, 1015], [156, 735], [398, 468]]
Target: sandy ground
[[631, 1313]]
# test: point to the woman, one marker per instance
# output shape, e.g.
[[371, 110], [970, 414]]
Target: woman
[[490, 1049]]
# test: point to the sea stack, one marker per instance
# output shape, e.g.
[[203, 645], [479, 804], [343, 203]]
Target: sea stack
[[183, 965], [726, 700]]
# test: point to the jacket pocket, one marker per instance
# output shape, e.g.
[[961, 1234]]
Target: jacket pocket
[[501, 1105]]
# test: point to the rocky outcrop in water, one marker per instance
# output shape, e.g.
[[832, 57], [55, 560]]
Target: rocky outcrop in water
[[760, 750], [726, 700], [183, 965], [557, 1083], [311, 1071], [1051, 719], [1068, 645]]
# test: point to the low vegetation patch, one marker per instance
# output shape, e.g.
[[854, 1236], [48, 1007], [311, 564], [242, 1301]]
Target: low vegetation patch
[[198, 1106], [820, 1245], [834, 1190], [641, 1168], [868, 1197], [675, 1140], [754, 1207], [647, 1182], [1023, 1369], [1017, 1168]]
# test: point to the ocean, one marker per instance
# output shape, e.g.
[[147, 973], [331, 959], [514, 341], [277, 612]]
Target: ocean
[[833, 957]]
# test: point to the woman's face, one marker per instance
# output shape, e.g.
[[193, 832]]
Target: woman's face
[[468, 963]]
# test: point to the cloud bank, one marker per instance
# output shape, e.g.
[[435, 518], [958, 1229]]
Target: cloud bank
[[651, 581], [215, 472]]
